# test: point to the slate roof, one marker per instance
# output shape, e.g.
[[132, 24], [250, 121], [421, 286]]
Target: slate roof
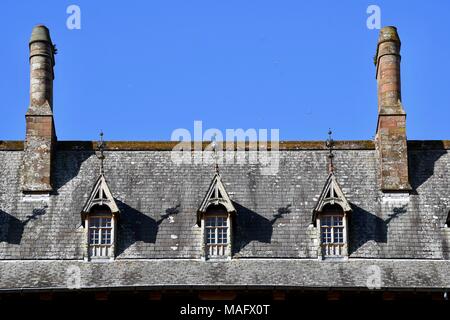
[[158, 201], [235, 274]]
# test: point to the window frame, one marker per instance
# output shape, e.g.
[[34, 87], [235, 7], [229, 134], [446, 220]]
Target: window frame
[[225, 247], [218, 234], [100, 231], [332, 249], [100, 212]]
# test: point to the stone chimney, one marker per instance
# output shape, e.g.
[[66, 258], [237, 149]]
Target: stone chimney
[[391, 130], [40, 131]]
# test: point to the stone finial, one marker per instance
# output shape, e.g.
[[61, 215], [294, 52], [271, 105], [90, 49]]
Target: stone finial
[[391, 140], [40, 133]]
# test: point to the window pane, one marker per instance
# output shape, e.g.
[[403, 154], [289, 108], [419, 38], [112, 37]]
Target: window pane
[[93, 236], [337, 221], [93, 222], [104, 222], [326, 235], [210, 221], [222, 234], [210, 236], [106, 236], [339, 235], [326, 221]]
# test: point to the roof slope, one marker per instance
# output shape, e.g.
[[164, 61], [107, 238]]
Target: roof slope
[[242, 273], [158, 201]]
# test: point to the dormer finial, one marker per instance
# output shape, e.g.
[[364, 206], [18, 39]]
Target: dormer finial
[[214, 146], [330, 146], [101, 155]]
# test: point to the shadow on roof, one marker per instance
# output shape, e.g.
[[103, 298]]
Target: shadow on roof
[[67, 165], [366, 226], [251, 226], [11, 228], [135, 225], [421, 164]]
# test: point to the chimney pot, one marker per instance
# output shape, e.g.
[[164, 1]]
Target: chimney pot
[[40, 33], [388, 33]]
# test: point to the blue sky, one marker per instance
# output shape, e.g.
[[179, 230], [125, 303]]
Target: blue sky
[[140, 69]]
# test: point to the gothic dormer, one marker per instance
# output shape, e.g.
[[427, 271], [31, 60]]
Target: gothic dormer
[[331, 213], [99, 217], [215, 216], [215, 196], [100, 196], [331, 195]]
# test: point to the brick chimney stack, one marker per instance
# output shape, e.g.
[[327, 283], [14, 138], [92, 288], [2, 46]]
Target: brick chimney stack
[[391, 130], [40, 131]]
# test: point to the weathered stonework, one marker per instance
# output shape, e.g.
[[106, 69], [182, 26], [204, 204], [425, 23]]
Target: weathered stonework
[[391, 130], [40, 133]]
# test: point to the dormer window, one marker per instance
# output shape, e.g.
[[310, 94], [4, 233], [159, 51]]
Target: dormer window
[[333, 234], [215, 218], [99, 217], [101, 233], [216, 232], [331, 218]]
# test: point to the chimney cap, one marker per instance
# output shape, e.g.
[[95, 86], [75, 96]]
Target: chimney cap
[[388, 33], [40, 33]]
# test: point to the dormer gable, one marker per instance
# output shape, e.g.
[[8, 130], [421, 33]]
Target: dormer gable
[[100, 196], [331, 194], [215, 196]]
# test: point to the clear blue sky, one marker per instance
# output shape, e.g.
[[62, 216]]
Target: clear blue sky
[[140, 69]]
